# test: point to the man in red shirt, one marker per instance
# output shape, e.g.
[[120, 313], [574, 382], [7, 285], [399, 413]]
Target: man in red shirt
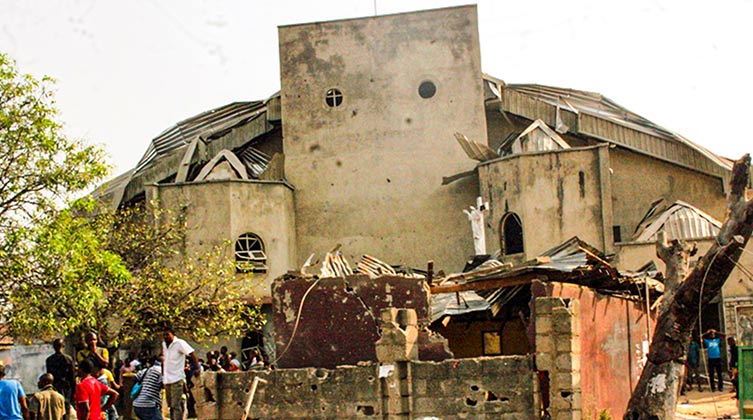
[[89, 392]]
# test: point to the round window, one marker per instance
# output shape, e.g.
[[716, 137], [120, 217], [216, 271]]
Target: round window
[[333, 98], [427, 89]]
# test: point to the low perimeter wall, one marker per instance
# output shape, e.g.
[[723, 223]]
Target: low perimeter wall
[[480, 388]]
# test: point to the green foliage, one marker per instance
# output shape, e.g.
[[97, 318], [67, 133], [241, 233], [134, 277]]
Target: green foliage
[[39, 169], [125, 276], [63, 271], [604, 415], [39, 166]]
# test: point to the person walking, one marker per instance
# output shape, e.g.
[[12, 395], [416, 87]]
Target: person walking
[[89, 393], [175, 351], [60, 366], [692, 365], [714, 357], [47, 404], [148, 404], [12, 398]]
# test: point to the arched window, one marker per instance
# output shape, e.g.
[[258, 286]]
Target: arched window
[[249, 254], [511, 234]]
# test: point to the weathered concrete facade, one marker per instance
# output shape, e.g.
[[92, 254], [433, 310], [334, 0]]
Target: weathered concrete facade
[[264, 208], [557, 195], [368, 173]]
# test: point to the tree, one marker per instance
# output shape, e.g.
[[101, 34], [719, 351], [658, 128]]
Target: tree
[[125, 276], [67, 267], [40, 168], [655, 395]]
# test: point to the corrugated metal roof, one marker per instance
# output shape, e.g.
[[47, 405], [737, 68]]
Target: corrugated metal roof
[[573, 261], [679, 221], [444, 304], [254, 160], [598, 116], [112, 191], [203, 124]]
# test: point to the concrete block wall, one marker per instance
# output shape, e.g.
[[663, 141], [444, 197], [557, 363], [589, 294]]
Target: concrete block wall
[[558, 353], [348, 392], [478, 388], [481, 388], [398, 387]]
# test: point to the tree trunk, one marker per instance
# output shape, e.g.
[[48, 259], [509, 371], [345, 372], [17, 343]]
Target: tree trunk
[[655, 396]]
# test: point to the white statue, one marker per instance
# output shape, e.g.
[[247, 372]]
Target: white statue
[[476, 216]]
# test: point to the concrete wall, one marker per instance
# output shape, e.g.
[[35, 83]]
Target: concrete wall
[[638, 180], [368, 174], [545, 191], [338, 322], [237, 207], [482, 388]]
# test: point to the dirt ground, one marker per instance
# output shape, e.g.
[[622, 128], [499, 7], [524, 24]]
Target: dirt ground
[[707, 405]]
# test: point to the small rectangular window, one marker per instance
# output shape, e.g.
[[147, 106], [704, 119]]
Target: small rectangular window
[[492, 343], [617, 234]]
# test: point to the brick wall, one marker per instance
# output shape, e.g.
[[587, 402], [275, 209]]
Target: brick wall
[[558, 352]]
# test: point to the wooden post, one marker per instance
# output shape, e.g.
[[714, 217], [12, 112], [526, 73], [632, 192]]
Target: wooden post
[[251, 393]]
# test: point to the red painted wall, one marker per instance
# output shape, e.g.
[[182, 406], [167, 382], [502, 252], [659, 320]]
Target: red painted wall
[[612, 335]]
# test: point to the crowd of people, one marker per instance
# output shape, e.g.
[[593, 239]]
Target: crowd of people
[[712, 342], [88, 387]]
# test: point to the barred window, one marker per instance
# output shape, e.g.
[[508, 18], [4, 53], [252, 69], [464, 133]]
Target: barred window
[[249, 254]]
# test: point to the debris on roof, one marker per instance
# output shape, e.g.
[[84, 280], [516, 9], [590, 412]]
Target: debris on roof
[[451, 304], [255, 161], [679, 220], [574, 261], [335, 264], [373, 267], [596, 116], [205, 125], [475, 150]]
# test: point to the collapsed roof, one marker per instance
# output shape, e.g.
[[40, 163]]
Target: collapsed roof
[[573, 261], [678, 220], [596, 116]]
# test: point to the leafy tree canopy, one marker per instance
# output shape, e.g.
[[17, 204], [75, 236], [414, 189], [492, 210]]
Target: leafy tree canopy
[[125, 276], [66, 270]]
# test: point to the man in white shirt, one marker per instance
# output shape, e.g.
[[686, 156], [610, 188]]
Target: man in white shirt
[[175, 351]]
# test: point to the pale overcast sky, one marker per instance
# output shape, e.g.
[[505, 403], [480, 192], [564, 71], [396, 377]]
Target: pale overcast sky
[[127, 70]]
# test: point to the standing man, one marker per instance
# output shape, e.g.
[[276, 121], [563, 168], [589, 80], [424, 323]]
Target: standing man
[[12, 398], [148, 404], [175, 351], [89, 392], [714, 356], [97, 355], [60, 366], [47, 404]]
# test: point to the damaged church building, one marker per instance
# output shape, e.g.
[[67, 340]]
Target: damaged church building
[[540, 297]]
